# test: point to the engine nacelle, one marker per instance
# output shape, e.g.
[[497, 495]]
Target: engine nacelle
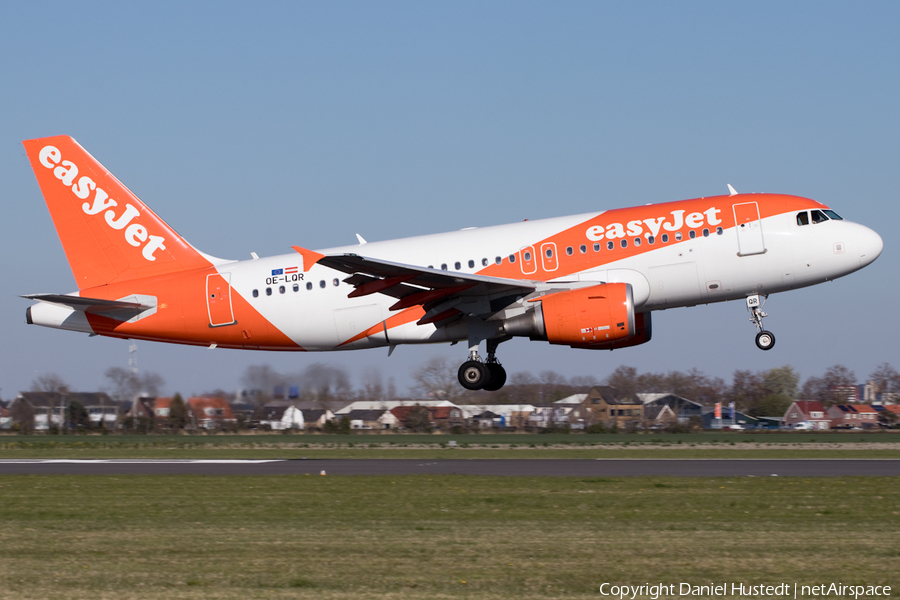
[[643, 331], [599, 316]]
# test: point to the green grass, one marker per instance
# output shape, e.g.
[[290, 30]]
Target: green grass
[[702, 445], [435, 537]]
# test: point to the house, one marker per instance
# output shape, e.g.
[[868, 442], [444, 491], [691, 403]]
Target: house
[[509, 415], [315, 418], [45, 409], [387, 405], [848, 416], [607, 408], [486, 420], [280, 417], [812, 411], [210, 413], [547, 416], [439, 417], [5, 418], [683, 408], [658, 416], [371, 419]]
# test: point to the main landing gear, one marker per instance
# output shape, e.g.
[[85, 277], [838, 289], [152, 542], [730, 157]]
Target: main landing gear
[[488, 375], [765, 340]]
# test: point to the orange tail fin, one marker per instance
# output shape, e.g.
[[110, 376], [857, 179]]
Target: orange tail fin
[[107, 233]]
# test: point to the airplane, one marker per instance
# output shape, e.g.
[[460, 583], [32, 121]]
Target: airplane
[[588, 281]]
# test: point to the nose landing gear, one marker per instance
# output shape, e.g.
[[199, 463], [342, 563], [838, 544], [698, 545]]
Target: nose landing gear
[[765, 340], [488, 375]]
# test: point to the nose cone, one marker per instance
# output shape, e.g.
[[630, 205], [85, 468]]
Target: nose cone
[[870, 246]]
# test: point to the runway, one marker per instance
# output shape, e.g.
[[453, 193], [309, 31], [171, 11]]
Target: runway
[[478, 467]]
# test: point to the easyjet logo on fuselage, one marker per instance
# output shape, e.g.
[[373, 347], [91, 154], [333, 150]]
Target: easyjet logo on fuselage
[[135, 234], [653, 226]]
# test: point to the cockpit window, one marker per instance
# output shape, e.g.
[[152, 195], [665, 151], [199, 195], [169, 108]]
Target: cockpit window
[[818, 216], [833, 215], [803, 218]]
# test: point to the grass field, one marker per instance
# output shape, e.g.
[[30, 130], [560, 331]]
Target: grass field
[[435, 537], [700, 445]]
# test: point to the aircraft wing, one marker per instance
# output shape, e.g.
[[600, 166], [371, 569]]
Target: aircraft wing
[[443, 294]]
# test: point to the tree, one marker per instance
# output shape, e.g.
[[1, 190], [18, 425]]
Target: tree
[[178, 413], [625, 380], [50, 382], [886, 378], [826, 388], [418, 419], [77, 415], [773, 405], [436, 379], [126, 385]]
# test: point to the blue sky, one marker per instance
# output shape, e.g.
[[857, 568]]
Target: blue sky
[[253, 128]]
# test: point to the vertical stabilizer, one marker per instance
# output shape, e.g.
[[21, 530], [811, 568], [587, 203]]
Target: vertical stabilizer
[[108, 234]]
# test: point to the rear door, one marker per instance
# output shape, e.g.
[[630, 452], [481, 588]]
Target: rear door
[[218, 299]]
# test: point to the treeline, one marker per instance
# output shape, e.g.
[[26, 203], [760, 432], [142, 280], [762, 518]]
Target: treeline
[[766, 392]]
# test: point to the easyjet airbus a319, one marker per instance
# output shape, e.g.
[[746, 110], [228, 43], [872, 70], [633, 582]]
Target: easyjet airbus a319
[[588, 281]]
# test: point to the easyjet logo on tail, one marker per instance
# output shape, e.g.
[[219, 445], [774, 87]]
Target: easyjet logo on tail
[[135, 234]]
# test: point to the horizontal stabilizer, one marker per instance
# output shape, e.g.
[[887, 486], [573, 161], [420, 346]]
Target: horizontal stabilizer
[[92, 305]]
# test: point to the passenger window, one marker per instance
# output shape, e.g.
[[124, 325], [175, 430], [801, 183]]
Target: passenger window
[[549, 252], [637, 241], [596, 246], [651, 240], [803, 218], [610, 245], [498, 260], [706, 233], [665, 238], [309, 285], [268, 291], [471, 264], [833, 215], [818, 217], [484, 262], [624, 243], [256, 293], [512, 258], [443, 266], [719, 231], [677, 236], [281, 289], [296, 287], [583, 248], [569, 251], [527, 256], [335, 282], [456, 265], [693, 234], [322, 283]]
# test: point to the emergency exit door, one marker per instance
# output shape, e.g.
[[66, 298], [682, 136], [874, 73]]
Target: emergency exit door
[[749, 229], [218, 299]]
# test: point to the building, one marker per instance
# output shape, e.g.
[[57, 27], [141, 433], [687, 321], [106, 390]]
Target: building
[[210, 413], [741, 420], [509, 415], [807, 411], [281, 417], [371, 419], [606, 408], [42, 410], [850, 416], [683, 408]]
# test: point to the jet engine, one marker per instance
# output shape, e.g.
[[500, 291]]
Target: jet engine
[[597, 317]]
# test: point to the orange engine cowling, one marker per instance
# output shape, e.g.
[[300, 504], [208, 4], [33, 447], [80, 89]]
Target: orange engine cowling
[[599, 317], [599, 314]]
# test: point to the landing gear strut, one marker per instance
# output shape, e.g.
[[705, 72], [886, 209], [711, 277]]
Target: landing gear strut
[[765, 340], [488, 375]]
